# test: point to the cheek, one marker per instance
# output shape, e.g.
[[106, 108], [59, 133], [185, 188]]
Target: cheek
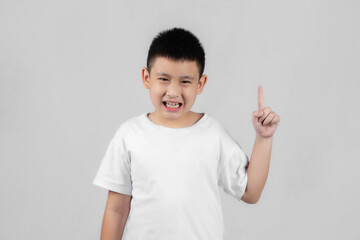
[[155, 91], [155, 96], [190, 96]]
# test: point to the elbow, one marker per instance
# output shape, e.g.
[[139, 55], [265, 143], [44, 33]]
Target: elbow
[[255, 198], [253, 201], [250, 199]]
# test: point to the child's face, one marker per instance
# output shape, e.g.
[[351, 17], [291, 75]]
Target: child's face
[[168, 82]]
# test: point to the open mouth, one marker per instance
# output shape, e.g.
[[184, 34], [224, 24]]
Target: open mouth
[[172, 105]]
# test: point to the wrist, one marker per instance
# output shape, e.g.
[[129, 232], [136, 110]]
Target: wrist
[[258, 136]]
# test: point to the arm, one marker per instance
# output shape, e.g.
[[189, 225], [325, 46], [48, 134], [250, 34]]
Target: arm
[[265, 122], [115, 216], [258, 169]]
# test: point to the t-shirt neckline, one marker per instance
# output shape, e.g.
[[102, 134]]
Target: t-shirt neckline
[[184, 129]]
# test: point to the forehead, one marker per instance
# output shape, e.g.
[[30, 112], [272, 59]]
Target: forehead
[[172, 67]]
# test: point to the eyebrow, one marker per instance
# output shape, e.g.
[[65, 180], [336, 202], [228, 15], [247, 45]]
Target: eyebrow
[[168, 75]]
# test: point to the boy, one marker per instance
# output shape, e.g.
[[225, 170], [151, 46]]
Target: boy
[[163, 169]]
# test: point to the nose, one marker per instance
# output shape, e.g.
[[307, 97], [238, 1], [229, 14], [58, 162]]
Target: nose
[[173, 89]]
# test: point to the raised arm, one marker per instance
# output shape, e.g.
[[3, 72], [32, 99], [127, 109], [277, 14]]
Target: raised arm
[[265, 123]]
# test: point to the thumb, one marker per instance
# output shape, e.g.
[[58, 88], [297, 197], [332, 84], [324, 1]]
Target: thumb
[[257, 114]]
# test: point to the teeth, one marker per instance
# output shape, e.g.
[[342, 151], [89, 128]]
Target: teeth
[[173, 105]]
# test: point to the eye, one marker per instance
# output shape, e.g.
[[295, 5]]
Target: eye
[[186, 82], [163, 79]]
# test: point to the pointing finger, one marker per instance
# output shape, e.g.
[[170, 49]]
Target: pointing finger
[[260, 99]]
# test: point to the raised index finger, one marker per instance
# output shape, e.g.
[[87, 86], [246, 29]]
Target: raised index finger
[[260, 99]]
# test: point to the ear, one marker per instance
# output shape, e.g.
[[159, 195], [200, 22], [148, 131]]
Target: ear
[[201, 83], [145, 77]]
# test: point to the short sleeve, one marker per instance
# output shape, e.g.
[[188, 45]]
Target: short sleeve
[[114, 172], [233, 176]]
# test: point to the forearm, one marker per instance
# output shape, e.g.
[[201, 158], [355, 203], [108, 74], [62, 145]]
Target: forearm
[[259, 167], [113, 225]]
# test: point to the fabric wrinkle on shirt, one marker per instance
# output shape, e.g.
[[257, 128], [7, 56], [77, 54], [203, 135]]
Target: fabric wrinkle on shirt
[[173, 175]]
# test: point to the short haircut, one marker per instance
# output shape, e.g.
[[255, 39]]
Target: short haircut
[[176, 44]]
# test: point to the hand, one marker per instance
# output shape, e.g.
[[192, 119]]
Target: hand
[[264, 120]]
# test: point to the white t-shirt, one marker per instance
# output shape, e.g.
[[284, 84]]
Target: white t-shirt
[[173, 175]]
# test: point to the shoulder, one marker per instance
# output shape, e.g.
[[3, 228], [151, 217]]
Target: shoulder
[[217, 126], [226, 139], [126, 127]]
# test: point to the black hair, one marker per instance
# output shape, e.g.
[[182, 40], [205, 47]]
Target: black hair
[[177, 44]]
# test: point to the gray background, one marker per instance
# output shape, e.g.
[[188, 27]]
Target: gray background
[[71, 73]]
